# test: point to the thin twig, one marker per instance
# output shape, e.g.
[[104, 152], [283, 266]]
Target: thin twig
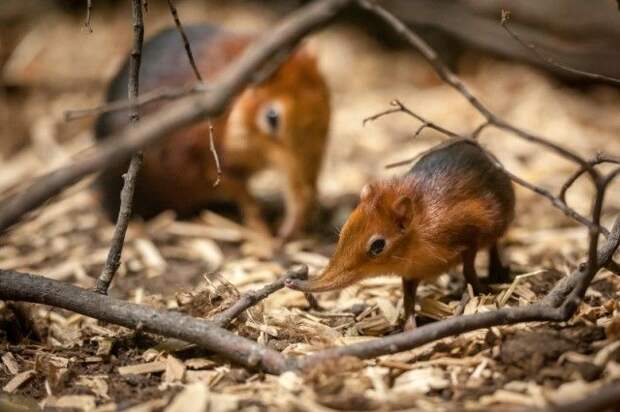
[[89, 9], [399, 107], [188, 49], [119, 146], [313, 303], [506, 15], [216, 157], [476, 133], [224, 318], [555, 201], [192, 62], [598, 159], [124, 214], [168, 93], [567, 284], [423, 153]]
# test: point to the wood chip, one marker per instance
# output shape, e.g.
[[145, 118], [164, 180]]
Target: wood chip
[[142, 368], [209, 252], [421, 380], [98, 385], [74, 402], [175, 370], [185, 229], [199, 363], [150, 254], [149, 406], [11, 364], [388, 309], [194, 398], [18, 380]]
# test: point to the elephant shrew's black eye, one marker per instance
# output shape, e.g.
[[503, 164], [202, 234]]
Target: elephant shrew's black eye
[[273, 119], [376, 247]]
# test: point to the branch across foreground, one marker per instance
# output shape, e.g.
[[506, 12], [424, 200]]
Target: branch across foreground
[[37, 289]]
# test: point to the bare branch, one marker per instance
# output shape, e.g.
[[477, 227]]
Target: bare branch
[[192, 62], [120, 145], [37, 289], [583, 281], [224, 318], [399, 107], [169, 93], [188, 49], [124, 213], [555, 201], [506, 15], [439, 146], [568, 283], [476, 133], [113, 259]]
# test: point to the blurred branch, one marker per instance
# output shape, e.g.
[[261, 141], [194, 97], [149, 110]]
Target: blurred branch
[[169, 93], [120, 145], [216, 157], [192, 62], [127, 192], [613, 267], [89, 9], [505, 19], [188, 49]]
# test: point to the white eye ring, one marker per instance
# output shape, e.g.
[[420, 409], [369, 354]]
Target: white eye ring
[[376, 245], [269, 118]]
